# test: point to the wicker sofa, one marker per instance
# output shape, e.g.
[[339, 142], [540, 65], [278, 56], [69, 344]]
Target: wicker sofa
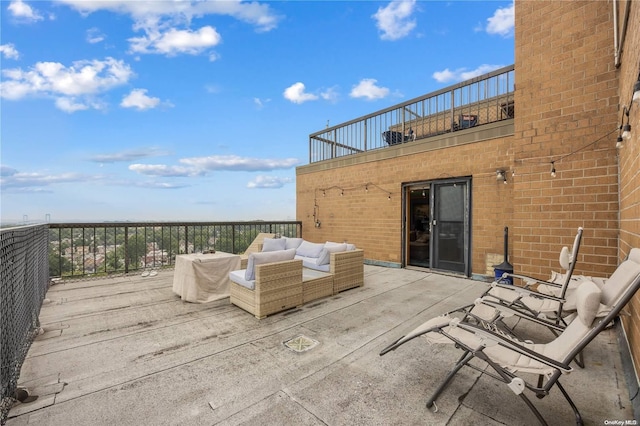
[[277, 286], [320, 270]]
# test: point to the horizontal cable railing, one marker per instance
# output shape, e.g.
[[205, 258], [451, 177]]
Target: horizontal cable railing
[[98, 249], [481, 100], [24, 280]]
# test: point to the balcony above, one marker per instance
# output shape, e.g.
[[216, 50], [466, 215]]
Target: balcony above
[[481, 100]]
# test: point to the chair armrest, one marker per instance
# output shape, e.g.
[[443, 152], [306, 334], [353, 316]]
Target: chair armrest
[[524, 292], [270, 276], [513, 345], [531, 280], [508, 311], [347, 268]]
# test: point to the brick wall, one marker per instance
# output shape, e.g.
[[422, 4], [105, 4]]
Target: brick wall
[[370, 220], [630, 167], [567, 113]]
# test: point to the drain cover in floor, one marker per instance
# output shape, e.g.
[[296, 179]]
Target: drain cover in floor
[[301, 344]]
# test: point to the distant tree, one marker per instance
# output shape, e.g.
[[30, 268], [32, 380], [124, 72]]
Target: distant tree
[[136, 248], [58, 265]]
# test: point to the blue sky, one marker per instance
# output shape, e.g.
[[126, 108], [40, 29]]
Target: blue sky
[[201, 110]]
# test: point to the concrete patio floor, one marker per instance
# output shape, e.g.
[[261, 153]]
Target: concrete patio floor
[[127, 351]]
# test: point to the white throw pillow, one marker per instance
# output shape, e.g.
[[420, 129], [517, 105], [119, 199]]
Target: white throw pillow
[[325, 254], [292, 242], [308, 249], [266, 257], [273, 244]]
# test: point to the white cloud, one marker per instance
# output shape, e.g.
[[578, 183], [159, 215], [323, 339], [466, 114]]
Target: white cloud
[[502, 22], [367, 88], [394, 20], [237, 163], [173, 41], [268, 182], [125, 156], [9, 51], [18, 180], [330, 94], [260, 103], [72, 86], [23, 11], [461, 74], [138, 99], [70, 105], [165, 170], [7, 171], [94, 35], [296, 94], [254, 13]]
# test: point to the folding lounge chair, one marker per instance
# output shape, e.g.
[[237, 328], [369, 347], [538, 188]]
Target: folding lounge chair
[[502, 301], [612, 289], [510, 358], [534, 302]]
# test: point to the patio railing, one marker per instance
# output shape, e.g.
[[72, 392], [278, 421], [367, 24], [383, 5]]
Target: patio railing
[[481, 100], [30, 255], [24, 280], [98, 249]]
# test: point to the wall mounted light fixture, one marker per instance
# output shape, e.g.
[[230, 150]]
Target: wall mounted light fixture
[[553, 169], [501, 176], [625, 129]]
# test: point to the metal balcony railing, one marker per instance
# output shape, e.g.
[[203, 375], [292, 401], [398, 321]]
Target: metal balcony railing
[[93, 249], [481, 100], [24, 280], [30, 255]]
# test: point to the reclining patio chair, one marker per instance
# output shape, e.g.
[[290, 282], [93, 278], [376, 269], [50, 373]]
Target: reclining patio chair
[[612, 288], [505, 301], [535, 302], [510, 358]]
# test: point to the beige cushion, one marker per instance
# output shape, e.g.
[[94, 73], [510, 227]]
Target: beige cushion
[[619, 281], [565, 258], [587, 301], [266, 257]]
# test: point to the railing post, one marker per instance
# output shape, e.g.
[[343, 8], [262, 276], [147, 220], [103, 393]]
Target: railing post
[[365, 136], [186, 239], [233, 238], [126, 249]]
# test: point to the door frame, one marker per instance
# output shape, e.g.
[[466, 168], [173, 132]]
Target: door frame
[[406, 208]]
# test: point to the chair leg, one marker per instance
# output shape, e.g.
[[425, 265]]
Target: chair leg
[[461, 363], [573, 406], [533, 409]]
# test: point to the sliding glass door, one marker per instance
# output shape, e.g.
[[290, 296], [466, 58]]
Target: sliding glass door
[[437, 225]]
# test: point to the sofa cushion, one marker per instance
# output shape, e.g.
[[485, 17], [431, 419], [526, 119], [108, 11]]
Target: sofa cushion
[[308, 249], [273, 244], [238, 278], [292, 242], [266, 257], [351, 247], [325, 254], [311, 263]]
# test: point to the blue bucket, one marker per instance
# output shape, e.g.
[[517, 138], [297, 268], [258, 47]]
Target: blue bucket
[[499, 279]]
